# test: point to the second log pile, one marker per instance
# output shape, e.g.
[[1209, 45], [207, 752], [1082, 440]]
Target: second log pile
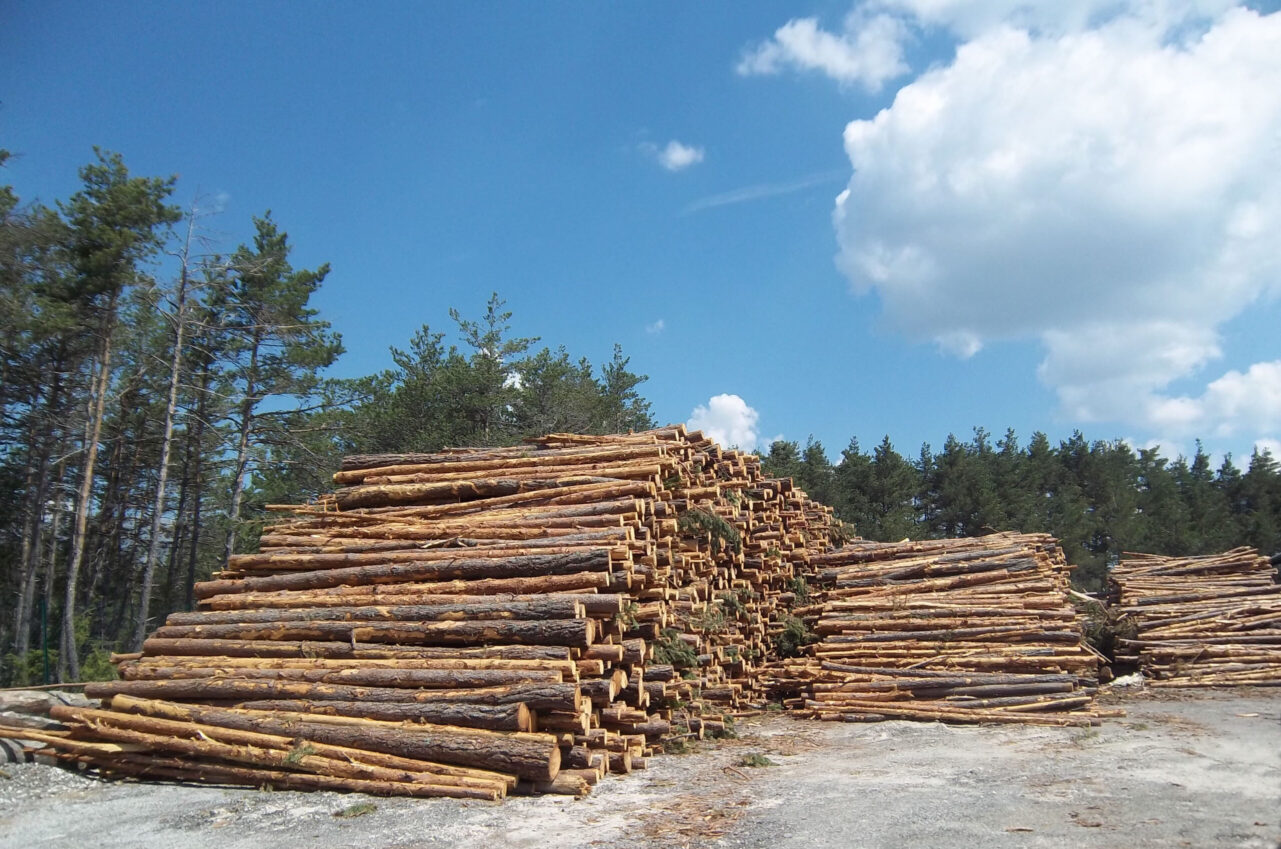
[[472, 623], [969, 630], [1213, 620]]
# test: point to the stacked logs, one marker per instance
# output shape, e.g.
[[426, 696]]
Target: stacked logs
[[968, 630], [1212, 620], [472, 623]]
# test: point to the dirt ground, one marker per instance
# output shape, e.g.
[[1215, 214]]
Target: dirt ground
[[1185, 768]]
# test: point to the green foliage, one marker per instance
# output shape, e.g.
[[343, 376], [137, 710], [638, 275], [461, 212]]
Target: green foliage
[[755, 759], [28, 668], [723, 534], [627, 619], [735, 604], [1104, 626], [359, 809], [301, 749], [679, 745], [486, 388], [671, 650], [800, 588], [97, 665], [727, 731], [793, 637], [1098, 498], [711, 620]]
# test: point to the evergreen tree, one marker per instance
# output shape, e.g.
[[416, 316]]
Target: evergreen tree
[[892, 495], [116, 224], [852, 490], [279, 347]]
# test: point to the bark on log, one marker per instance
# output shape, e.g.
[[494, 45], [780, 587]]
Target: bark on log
[[525, 566], [532, 756], [576, 633], [514, 717], [539, 697], [309, 649]]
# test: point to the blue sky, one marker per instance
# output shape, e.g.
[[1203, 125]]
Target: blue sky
[[892, 217]]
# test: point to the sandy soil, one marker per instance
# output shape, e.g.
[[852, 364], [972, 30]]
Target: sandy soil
[[1183, 769]]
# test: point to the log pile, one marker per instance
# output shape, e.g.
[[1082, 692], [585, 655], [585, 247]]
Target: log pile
[[968, 630], [472, 623], [1207, 621]]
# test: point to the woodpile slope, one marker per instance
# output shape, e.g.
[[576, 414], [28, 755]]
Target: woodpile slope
[[1212, 620], [472, 623], [967, 630]]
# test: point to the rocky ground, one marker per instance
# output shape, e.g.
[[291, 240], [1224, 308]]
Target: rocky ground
[[1184, 768]]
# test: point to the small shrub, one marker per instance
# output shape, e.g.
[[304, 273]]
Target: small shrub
[[711, 621], [357, 810], [628, 617], [793, 637], [300, 750], [1104, 626], [841, 532], [671, 650], [755, 759], [728, 732], [723, 534], [677, 746]]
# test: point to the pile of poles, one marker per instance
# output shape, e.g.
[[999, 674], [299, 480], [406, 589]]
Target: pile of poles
[[479, 622], [968, 630], [1213, 620], [471, 623]]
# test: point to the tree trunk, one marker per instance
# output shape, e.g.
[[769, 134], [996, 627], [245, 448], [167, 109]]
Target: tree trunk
[[242, 448], [32, 535], [166, 445], [69, 657], [196, 433]]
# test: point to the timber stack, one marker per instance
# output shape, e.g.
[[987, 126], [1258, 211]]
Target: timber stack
[[471, 623], [1206, 621], [963, 630]]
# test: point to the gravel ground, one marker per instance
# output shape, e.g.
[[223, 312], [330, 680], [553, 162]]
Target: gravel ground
[[1184, 768]]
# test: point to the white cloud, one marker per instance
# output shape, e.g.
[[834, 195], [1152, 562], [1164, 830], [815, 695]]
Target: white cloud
[[970, 19], [1272, 446], [656, 328], [1249, 402], [869, 51], [728, 420], [675, 156], [1102, 177]]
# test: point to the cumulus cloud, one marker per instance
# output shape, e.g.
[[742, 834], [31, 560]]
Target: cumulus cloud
[[728, 420], [656, 327], [868, 52], [675, 156], [1248, 402], [1102, 177]]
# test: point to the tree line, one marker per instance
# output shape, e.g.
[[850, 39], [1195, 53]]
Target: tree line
[[158, 390], [1100, 499]]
